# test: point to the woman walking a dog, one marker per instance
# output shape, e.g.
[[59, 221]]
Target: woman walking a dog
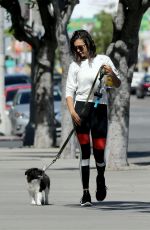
[[81, 75]]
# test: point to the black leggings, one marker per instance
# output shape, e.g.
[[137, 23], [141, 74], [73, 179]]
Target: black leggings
[[94, 122]]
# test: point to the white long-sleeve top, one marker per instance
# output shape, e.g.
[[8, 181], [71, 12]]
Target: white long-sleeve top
[[81, 77]]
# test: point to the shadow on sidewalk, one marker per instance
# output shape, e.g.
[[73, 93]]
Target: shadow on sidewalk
[[140, 158], [137, 206], [139, 154]]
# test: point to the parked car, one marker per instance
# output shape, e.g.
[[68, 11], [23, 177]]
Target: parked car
[[137, 76], [11, 90], [143, 87], [20, 111], [57, 79], [17, 78], [57, 110]]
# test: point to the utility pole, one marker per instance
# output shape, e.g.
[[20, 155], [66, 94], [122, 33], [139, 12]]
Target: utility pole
[[2, 96]]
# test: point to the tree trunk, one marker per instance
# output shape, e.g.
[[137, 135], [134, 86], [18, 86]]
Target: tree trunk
[[28, 139], [123, 52], [63, 44], [118, 112], [44, 107], [40, 129], [3, 130]]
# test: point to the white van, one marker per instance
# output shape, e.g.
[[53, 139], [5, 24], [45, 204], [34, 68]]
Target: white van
[[137, 77]]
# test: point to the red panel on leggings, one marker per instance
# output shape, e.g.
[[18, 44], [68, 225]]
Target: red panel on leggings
[[99, 143], [83, 138]]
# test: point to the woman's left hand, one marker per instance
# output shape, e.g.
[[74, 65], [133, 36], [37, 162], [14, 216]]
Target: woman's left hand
[[108, 69], [113, 80]]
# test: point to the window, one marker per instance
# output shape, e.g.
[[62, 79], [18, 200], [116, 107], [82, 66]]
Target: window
[[10, 95], [25, 98]]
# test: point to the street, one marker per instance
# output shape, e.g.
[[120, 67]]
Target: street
[[139, 131], [126, 207]]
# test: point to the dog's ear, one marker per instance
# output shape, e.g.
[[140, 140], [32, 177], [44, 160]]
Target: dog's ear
[[27, 171]]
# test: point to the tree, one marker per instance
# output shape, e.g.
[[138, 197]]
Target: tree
[[102, 34], [41, 35], [123, 51], [2, 99], [63, 46]]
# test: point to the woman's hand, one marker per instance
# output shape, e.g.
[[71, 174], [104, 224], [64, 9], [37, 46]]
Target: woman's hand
[[75, 117], [108, 69], [112, 80]]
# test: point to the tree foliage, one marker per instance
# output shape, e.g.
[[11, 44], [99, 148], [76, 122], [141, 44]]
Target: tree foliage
[[103, 35]]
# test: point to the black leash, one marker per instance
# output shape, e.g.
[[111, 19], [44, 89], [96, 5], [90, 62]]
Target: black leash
[[101, 72]]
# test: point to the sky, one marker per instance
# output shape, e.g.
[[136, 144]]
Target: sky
[[87, 8]]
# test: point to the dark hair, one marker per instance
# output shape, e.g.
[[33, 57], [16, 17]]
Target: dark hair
[[86, 37]]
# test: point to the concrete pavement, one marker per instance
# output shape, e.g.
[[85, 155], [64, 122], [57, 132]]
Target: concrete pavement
[[127, 206]]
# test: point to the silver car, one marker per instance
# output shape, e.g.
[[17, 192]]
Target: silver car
[[20, 111]]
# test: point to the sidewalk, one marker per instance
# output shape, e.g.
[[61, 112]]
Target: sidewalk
[[127, 206]]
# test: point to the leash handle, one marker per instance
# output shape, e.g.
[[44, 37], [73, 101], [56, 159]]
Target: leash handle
[[72, 131]]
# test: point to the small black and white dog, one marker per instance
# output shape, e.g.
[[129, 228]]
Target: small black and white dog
[[38, 186]]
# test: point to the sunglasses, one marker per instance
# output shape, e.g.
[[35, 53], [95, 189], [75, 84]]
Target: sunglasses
[[80, 48]]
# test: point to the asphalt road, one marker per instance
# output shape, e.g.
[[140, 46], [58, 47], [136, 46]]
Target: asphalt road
[[139, 131]]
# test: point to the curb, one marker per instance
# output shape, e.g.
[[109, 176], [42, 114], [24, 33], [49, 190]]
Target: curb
[[10, 138]]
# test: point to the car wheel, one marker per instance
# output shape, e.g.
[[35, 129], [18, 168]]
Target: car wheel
[[139, 94]]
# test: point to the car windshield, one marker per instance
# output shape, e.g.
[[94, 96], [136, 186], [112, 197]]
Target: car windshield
[[25, 98], [10, 95], [11, 80], [147, 78]]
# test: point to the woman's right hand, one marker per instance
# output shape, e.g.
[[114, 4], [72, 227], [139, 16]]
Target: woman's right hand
[[75, 117]]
